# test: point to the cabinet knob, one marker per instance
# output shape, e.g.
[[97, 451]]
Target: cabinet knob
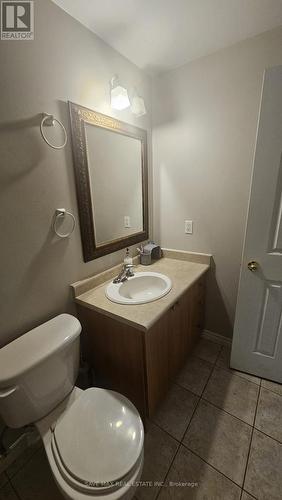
[[174, 306]]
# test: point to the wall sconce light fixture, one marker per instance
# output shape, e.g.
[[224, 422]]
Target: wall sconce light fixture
[[138, 107], [119, 95]]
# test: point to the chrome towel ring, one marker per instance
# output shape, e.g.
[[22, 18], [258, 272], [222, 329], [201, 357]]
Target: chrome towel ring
[[59, 214], [49, 120]]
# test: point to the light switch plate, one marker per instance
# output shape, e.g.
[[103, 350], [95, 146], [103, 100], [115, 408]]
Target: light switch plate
[[188, 226], [127, 221]]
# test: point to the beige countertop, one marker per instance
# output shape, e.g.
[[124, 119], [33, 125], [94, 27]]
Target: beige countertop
[[183, 268]]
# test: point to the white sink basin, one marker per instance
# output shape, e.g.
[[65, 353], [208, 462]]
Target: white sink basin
[[141, 288]]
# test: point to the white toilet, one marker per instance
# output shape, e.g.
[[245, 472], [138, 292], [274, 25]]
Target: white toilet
[[94, 438]]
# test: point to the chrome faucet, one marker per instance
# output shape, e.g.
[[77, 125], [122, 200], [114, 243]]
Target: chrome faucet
[[126, 272]]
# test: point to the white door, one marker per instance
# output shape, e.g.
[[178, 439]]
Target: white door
[[257, 341]]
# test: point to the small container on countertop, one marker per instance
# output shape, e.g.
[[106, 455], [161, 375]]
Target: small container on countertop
[[149, 253]]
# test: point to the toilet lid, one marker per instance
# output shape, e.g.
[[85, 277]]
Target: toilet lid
[[100, 438]]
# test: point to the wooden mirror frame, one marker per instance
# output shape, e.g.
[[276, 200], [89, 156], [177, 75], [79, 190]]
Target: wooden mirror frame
[[80, 115]]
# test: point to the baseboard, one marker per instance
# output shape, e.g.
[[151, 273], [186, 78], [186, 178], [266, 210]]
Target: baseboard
[[216, 337]]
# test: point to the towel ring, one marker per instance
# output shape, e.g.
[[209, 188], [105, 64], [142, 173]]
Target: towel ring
[[50, 120], [62, 212]]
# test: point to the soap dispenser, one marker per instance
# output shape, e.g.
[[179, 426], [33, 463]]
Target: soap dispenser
[[128, 259]]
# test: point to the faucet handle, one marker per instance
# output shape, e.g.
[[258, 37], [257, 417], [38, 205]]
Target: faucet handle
[[129, 270]]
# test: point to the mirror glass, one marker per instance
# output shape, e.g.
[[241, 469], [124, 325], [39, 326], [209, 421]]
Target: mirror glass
[[111, 173], [115, 174]]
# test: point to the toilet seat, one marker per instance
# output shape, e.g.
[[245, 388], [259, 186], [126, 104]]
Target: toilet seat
[[130, 480], [97, 442]]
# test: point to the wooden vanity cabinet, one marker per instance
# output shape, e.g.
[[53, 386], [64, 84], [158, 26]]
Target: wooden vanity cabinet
[[115, 351], [170, 341], [142, 365]]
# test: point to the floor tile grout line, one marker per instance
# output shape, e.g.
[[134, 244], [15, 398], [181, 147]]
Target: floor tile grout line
[[219, 353], [15, 490], [262, 388], [27, 460], [230, 370], [181, 442], [193, 355], [271, 390], [211, 403], [216, 406], [255, 415], [25, 463], [210, 465], [251, 440], [164, 430], [200, 399], [267, 435], [11, 479], [199, 456], [212, 369], [186, 428], [225, 411], [192, 416], [208, 379], [195, 409], [166, 475], [185, 388], [3, 474], [188, 390], [259, 385], [9, 483], [252, 496], [252, 426], [204, 359]]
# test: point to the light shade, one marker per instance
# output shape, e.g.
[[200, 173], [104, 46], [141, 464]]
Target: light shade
[[138, 107], [119, 97]]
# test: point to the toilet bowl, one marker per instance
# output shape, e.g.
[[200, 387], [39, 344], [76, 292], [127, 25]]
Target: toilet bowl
[[94, 438], [69, 437]]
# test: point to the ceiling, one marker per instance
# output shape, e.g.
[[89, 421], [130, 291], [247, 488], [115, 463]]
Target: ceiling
[[158, 35]]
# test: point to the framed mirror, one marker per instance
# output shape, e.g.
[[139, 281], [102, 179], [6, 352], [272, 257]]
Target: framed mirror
[[111, 172]]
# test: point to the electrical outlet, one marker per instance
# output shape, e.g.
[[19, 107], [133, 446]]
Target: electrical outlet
[[127, 221], [188, 227]]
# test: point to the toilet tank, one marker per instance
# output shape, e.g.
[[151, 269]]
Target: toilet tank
[[38, 369]]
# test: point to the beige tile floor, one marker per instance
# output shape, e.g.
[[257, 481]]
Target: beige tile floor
[[217, 436]]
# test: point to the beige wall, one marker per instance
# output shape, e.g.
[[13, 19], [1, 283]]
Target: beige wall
[[65, 62], [205, 118]]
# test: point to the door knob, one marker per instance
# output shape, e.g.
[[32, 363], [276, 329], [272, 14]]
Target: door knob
[[253, 265]]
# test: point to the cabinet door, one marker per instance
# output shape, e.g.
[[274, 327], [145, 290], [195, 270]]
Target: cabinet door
[[197, 309], [179, 334], [186, 322], [157, 362], [115, 352]]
